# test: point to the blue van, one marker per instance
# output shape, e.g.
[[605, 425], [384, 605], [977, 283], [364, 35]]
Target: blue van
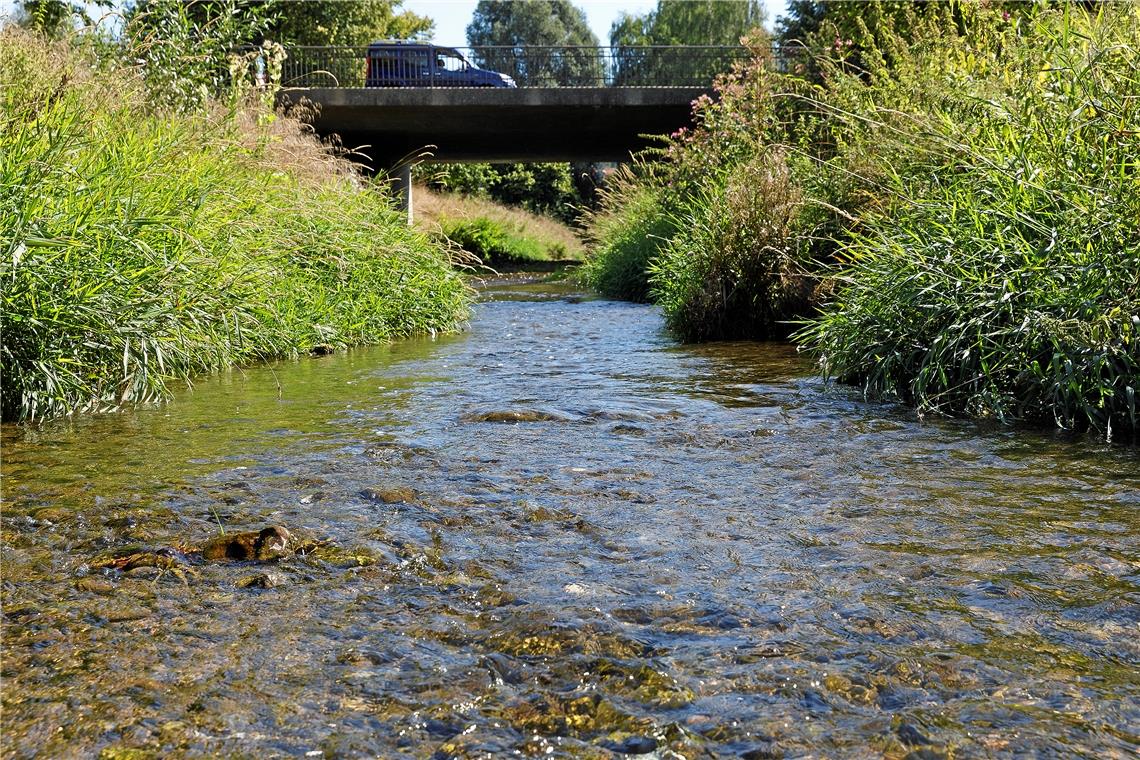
[[418, 64]]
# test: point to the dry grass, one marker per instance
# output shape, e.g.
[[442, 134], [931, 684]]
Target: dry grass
[[432, 208]]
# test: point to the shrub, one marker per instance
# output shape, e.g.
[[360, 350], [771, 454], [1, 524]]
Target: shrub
[[960, 184], [493, 242], [732, 269]]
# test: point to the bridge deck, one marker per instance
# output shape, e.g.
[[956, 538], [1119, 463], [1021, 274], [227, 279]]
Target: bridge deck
[[499, 124]]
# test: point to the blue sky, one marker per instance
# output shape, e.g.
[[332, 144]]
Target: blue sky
[[453, 16]]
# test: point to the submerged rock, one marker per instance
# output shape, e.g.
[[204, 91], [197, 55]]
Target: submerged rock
[[510, 417], [259, 580], [911, 736], [262, 546], [637, 745], [395, 495], [54, 514], [95, 586]]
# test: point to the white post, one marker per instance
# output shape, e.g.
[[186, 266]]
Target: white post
[[403, 187]]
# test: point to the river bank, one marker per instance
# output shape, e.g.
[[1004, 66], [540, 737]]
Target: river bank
[[494, 234], [149, 244], [939, 202], [695, 548]]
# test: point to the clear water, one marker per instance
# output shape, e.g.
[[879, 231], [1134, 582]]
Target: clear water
[[692, 551]]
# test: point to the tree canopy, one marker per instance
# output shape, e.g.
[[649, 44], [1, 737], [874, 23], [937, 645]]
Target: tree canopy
[[679, 22], [689, 22], [501, 24], [347, 22]]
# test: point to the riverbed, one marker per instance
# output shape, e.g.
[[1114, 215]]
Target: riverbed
[[562, 534]]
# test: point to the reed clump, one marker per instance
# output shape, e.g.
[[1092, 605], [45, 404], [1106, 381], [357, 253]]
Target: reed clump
[[947, 206], [145, 244]]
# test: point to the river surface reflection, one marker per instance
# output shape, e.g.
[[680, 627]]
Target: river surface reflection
[[562, 534]]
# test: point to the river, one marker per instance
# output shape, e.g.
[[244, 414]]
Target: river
[[562, 534]]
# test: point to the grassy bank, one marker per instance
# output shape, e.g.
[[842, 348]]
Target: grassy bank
[[947, 196], [495, 234], [145, 245]]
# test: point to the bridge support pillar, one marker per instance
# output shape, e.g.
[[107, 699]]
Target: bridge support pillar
[[402, 185]]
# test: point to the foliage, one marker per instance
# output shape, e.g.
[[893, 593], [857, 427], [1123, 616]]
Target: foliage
[[347, 22], [500, 25], [679, 22], [55, 18], [689, 22], [495, 243], [627, 234], [144, 246], [540, 188], [1005, 282], [437, 211], [192, 53], [972, 168], [731, 269]]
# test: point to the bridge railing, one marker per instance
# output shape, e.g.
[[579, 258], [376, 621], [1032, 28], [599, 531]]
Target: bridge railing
[[421, 65]]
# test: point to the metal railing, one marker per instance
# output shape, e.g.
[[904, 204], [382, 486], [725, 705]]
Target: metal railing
[[424, 65]]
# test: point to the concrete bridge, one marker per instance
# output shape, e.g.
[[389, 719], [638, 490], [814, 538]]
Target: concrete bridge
[[389, 101], [484, 124]]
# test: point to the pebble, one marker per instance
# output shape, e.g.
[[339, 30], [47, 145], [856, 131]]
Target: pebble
[[389, 495]]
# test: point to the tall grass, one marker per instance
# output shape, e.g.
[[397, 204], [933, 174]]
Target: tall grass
[[143, 246], [949, 207], [627, 234], [1005, 281]]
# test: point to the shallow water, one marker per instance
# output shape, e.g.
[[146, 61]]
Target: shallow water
[[692, 551]]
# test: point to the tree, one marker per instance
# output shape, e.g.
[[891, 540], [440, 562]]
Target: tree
[[680, 22], [55, 18], [190, 51], [565, 50], [347, 22], [689, 22]]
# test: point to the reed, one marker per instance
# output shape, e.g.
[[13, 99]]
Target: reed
[[948, 208], [1005, 280], [146, 245]]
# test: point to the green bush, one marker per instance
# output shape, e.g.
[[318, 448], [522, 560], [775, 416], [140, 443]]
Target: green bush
[[495, 243], [957, 189], [146, 246], [732, 268]]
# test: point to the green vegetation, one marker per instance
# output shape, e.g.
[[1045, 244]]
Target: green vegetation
[[949, 195], [497, 235], [689, 22], [498, 26], [627, 233], [346, 22], [561, 191], [149, 238], [679, 22]]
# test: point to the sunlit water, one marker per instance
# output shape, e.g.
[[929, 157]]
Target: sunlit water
[[693, 551]]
